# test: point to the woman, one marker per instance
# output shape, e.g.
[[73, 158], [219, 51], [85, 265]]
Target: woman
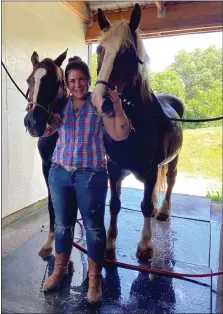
[[78, 175]]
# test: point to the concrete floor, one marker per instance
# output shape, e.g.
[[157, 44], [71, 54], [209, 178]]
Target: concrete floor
[[190, 243]]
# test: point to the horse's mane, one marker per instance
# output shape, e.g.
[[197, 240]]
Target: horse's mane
[[122, 34]]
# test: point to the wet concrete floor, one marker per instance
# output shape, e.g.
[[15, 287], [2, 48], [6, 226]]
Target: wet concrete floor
[[188, 243]]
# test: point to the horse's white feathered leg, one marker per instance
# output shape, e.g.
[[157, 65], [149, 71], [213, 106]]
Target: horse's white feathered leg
[[145, 248]]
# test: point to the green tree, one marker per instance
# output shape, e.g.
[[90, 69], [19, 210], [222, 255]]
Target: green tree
[[167, 82], [196, 78], [207, 104], [198, 69]]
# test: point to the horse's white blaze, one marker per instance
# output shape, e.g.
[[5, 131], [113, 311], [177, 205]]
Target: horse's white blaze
[[118, 36], [37, 77], [107, 66]]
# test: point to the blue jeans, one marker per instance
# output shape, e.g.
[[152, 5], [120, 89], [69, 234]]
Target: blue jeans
[[86, 189]]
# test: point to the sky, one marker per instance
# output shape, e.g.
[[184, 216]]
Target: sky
[[162, 50]]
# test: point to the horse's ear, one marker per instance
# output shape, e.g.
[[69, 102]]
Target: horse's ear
[[59, 60], [103, 21], [35, 59], [135, 18]]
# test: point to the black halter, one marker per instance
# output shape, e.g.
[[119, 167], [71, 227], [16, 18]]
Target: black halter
[[107, 106], [113, 87]]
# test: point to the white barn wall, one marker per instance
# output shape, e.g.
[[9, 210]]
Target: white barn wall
[[48, 28]]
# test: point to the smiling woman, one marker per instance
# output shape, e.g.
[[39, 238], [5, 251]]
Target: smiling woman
[[78, 81], [78, 175]]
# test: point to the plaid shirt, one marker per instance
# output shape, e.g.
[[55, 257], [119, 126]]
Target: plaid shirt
[[80, 143]]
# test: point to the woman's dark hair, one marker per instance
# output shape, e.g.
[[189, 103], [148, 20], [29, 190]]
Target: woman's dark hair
[[76, 63]]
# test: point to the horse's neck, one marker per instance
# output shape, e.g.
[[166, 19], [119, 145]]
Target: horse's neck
[[134, 93], [145, 105]]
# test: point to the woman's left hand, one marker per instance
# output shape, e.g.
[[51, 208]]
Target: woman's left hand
[[117, 103]]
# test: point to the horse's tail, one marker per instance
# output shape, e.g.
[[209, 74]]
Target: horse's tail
[[162, 171], [161, 179]]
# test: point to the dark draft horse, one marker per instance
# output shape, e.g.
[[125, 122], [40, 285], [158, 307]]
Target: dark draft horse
[[152, 148]]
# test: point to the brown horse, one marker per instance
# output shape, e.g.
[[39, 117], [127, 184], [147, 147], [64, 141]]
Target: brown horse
[[47, 92], [152, 148]]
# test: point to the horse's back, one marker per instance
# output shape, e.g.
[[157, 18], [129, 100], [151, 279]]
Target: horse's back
[[170, 102]]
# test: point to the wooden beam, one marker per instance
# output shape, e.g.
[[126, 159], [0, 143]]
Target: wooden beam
[[181, 18], [184, 31], [161, 10], [80, 8]]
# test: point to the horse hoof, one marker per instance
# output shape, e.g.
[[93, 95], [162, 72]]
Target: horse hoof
[[154, 213], [144, 254], [45, 252], [162, 216], [110, 254]]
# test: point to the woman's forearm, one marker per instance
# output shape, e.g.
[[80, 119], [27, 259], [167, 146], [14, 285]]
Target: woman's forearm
[[121, 125], [117, 127]]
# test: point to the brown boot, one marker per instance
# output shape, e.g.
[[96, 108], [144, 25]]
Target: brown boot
[[47, 248], [60, 270], [94, 287]]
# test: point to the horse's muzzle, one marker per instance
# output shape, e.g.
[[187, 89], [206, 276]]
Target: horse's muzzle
[[35, 124]]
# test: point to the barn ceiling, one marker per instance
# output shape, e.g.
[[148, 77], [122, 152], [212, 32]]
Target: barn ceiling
[[159, 18], [115, 6]]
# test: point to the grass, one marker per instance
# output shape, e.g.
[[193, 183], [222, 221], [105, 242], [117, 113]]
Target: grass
[[201, 158], [201, 154], [214, 196]]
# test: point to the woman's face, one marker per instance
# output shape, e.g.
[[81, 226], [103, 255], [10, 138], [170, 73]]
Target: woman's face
[[78, 84]]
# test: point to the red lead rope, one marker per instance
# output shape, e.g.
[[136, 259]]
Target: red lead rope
[[148, 269]]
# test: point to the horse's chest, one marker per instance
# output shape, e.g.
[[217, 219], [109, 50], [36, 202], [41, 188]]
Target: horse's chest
[[124, 150]]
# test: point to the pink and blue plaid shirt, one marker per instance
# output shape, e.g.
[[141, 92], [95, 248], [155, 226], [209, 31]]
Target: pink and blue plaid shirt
[[80, 143]]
